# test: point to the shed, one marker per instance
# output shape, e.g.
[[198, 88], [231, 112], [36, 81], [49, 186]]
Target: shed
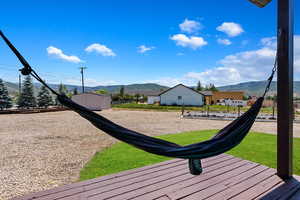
[[181, 95], [93, 101], [153, 99]]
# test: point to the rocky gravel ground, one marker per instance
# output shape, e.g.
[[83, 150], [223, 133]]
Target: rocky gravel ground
[[42, 151]]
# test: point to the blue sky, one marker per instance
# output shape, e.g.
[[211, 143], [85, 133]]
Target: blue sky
[[134, 41]]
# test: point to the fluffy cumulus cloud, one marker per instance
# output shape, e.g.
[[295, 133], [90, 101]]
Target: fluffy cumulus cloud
[[191, 42], [100, 49], [190, 26], [216, 75], [243, 66], [58, 53], [144, 49], [224, 41], [230, 28]]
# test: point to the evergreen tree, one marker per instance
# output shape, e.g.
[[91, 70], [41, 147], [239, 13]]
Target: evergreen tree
[[122, 92], [62, 89], [27, 99], [5, 100], [199, 86], [75, 91], [44, 98], [137, 97], [211, 87]]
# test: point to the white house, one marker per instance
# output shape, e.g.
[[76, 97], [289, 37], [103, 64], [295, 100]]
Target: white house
[[181, 95], [93, 101]]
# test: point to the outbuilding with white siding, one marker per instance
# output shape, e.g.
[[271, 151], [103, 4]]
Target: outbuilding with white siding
[[181, 95]]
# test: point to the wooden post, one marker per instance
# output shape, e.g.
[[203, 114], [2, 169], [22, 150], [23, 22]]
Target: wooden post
[[273, 109], [285, 89], [207, 111]]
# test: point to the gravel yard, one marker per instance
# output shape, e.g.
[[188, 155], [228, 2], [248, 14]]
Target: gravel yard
[[41, 151]]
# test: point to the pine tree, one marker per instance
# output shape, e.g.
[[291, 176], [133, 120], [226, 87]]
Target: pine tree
[[122, 92], [5, 100], [62, 89], [199, 86], [44, 98], [137, 97], [211, 87], [75, 91], [27, 99]]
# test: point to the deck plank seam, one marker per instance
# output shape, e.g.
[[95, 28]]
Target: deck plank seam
[[218, 182], [190, 178], [238, 160], [278, 182], [208, 161], [183, 180], [268, 176]]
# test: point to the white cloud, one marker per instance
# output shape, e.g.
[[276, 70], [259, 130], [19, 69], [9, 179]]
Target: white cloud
[[179, 54], [230, 28], [217, 76], [269, 42], [224, 41], [243, 66], [101, 49], [190, 26], [59, 54], [143, 49], [191, 42]]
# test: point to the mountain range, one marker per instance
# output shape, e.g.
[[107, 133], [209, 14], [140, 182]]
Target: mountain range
[[250, 88], [145, 89]]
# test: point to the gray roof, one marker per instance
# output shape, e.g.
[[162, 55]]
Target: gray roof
[[199, 92]]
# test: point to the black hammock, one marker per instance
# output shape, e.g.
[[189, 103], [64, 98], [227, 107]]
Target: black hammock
[[224, 140]]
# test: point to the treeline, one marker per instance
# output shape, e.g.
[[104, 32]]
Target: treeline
[[26, 98], [209, 87], [123, 97]]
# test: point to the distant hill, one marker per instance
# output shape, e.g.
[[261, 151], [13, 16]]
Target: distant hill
[[257, 87], [146, 88], [250, 88]]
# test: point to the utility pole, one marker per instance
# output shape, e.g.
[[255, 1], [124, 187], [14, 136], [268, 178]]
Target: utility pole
[[82, 79]]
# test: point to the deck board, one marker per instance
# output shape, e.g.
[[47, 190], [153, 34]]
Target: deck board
[[224, 177]]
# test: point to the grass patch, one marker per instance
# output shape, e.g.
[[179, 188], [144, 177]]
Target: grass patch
[[212, 108], [257, 147]]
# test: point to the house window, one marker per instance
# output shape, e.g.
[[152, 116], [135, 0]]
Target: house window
[[179, 97]]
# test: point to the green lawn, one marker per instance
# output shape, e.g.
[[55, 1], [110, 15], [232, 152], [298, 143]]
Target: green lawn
[[257, 147], [212, 108]]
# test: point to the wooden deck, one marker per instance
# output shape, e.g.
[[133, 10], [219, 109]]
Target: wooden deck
[[224, 177]]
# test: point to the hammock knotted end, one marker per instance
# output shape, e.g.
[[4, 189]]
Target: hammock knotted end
[[195, 166]]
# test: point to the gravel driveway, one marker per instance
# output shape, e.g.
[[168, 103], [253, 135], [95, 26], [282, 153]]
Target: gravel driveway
[[41, 151]]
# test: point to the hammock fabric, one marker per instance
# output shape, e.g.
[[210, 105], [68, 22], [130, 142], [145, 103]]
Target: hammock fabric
[[224, 140]]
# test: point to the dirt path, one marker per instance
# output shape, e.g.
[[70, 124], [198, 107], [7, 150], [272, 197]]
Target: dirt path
[[41, 151]]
